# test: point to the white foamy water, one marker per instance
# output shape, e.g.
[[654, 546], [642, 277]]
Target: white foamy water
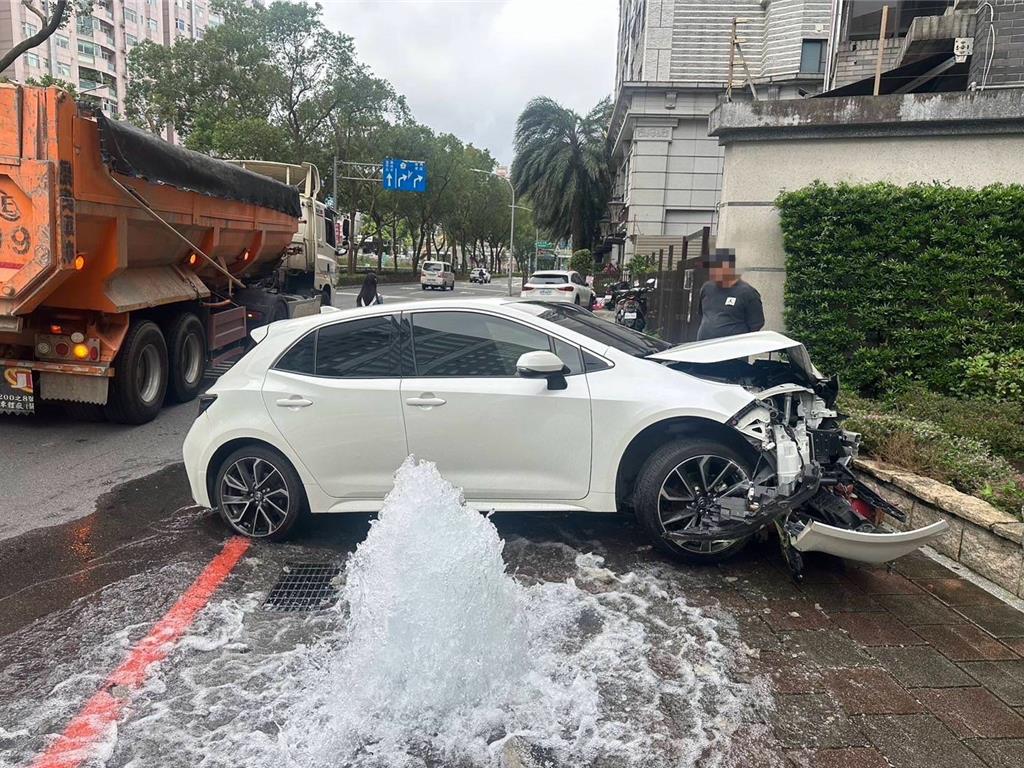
[[434, 656]]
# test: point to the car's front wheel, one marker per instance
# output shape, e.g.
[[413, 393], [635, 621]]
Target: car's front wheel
[[680, 483], [258, 493]]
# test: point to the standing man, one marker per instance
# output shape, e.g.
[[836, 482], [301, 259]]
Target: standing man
[[728, 306]]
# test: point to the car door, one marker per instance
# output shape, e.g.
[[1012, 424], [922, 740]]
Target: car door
[[497, 435], [335, 398]]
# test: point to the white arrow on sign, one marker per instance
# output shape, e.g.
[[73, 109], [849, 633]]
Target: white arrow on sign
[[389, 179], [417, 180], [403, 177]]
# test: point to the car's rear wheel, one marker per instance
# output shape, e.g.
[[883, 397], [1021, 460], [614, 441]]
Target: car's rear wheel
[[258, 493], [678, 484]]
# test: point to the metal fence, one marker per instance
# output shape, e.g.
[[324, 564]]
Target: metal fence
[[680, 272]]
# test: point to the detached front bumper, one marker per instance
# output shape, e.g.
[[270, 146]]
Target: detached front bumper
[[864, 547]]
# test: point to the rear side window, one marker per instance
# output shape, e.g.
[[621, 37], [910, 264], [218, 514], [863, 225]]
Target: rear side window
[[361, 349], [541, 279], [300, 358], [569, 355]]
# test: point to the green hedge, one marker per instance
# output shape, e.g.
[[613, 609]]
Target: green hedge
[[890, 284]]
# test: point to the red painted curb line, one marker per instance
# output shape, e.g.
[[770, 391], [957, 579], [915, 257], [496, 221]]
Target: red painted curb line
[[104, 709]]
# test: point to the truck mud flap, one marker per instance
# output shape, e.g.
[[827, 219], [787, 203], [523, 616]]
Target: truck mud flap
[[864, 547]]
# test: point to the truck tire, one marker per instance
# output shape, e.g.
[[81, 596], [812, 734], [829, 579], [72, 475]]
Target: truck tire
[[186, 356], [325, 297], [671, 475], [140, 375]]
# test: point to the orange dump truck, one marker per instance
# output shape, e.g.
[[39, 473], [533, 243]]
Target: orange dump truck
[[127, 264]]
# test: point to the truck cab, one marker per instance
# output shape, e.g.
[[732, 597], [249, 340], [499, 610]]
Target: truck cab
[[310, 264]]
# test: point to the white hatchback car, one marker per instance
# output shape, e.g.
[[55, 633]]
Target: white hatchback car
[[534, 406], [559, 285]]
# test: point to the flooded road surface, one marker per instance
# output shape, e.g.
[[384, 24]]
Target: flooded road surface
[[641, 662]]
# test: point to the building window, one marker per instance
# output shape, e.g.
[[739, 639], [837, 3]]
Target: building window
[[85, 25], [180, 24], [151, 23], [63, 41], [63, 70], [812, 57], [130, 15], [87, 48], [130, 39], [33, 60], [28, 29]]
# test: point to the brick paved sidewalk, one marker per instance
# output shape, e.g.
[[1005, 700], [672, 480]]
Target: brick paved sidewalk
[[908, 668]]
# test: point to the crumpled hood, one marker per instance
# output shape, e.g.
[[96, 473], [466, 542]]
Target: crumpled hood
[[741, 346]]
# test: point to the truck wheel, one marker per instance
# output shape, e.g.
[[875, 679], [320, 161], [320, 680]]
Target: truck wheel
[[325, 297], [140, 378], [186, 353], [675, 482], [258, 493]]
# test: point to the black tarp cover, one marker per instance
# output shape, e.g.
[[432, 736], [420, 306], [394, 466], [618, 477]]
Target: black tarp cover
[[134, 152]]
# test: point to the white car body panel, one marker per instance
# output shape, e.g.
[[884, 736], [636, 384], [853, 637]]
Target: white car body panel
[[865, 547], [742, 345], [497, 452], [349, 438]]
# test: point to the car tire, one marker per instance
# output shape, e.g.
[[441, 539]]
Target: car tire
[[252, 510], [186, 358], [659, 473], [423, 287], [140, 380]]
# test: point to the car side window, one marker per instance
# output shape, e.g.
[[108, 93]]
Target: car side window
[[471, 344], [358, 349], [594, 363], [569, 355], [301, 357]]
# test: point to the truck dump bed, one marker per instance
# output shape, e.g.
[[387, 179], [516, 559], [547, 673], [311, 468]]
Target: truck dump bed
[[72, 238]]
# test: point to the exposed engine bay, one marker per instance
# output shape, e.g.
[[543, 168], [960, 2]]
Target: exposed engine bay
[[802, 483]]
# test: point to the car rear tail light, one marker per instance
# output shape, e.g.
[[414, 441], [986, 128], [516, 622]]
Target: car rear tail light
[[565, 288], [527, 287]]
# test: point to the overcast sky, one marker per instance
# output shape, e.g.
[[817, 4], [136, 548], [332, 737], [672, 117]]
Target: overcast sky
[[469, 66]]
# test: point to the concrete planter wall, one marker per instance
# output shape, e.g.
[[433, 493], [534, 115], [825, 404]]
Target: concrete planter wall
[[980, 537]]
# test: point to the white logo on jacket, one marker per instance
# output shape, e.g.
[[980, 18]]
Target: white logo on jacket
[[731, 301]]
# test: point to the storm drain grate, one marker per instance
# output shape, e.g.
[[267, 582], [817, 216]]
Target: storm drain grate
[[303, 587]]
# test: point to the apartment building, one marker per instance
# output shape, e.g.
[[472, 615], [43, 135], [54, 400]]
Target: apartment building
[[673, 67], [92, 51]]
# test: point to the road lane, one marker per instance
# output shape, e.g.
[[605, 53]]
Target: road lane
[[55, 469]]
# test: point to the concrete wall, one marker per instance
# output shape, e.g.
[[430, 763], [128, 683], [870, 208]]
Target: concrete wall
[[760, 163]]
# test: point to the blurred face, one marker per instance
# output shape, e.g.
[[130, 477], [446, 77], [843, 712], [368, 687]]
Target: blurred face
[[722, 272]]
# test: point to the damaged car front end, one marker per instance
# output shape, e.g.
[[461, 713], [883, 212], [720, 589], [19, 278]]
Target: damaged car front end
[[802, 483]]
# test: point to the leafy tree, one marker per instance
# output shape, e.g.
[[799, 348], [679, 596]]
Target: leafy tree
[[562, 165], [582, 261], [640, 266], [52, 18]]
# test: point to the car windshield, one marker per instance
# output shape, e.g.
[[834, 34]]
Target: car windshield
[[548, 278], [581, 321], [433, 266]]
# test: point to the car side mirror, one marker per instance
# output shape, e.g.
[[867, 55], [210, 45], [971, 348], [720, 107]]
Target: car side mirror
[[543, 365]]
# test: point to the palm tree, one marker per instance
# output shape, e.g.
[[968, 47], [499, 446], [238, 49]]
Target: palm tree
[[562, 165]]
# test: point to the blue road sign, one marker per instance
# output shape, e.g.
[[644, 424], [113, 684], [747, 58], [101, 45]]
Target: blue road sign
[[404, 175]]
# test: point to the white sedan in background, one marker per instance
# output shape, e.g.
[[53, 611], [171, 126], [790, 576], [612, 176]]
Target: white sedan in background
[[559, 285], [533, 406]]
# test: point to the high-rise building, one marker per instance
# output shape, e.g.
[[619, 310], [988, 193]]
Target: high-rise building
[[674, 63], [91, 52]]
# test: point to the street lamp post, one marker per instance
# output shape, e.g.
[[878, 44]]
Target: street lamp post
[[512, 226]]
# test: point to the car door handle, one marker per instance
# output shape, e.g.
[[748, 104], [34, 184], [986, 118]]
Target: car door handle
[[294, 402], [425, 402]]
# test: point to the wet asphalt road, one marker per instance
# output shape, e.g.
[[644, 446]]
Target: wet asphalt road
[[55, 469]]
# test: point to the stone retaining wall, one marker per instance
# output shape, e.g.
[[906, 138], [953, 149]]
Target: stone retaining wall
[[980, 537]]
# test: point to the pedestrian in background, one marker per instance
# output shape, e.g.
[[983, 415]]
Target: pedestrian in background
[[728, 306], [368, 293]]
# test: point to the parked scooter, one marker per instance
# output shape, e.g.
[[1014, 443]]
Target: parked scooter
[[613, 293], [632, 312]]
